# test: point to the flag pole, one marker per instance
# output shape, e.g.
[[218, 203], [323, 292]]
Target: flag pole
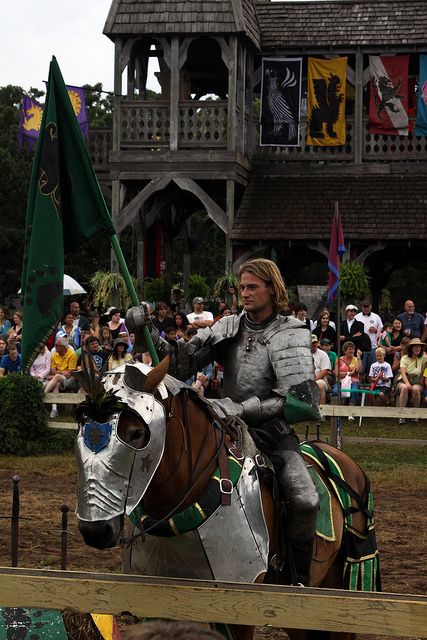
[[339, 418], [133, 295]]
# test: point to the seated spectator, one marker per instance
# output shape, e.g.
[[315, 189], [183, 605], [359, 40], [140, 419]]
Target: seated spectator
[[190, 332], [322, 368], [413, 322], [180, 323], [409, 380], [351, 365], [94, 326], [321, 313], [326, 345], [64, 362], [12, 338], [3, 345], [324, 329], [40, 369], [222, 305], [106, 339], [395, 337], [120, 354], [160, 319], [91, 346], [17, 325], [70, 331], [385, 334], [200, 318], [11, 361], [301, 313], [5, 323], [380, 376], [398, 354], [425, 385], [170, 335], [79, 321], [84, 335], [116, 324]]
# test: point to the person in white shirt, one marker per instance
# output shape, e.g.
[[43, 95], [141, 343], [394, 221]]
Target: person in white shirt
[[200, 318], [380, 375], [322, 368], [373, 327]]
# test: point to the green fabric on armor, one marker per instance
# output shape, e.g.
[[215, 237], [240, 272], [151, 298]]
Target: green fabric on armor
[[296, 410]]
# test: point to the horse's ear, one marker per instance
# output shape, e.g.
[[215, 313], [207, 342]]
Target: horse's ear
[[156, 375]]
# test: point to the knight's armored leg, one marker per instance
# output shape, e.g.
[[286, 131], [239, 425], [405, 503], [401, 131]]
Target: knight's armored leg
[[297, 491]]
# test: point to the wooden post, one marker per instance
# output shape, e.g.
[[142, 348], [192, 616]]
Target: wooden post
[[358, 109], [187, 256], [232, 90], [115, 185], [230, 222], [174, 94]]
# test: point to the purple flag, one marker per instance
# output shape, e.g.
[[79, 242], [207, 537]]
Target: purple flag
[[78, 101], [32, 111], [29, 122], [336, 249]]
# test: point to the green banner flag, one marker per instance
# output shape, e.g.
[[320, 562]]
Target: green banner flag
[[65, 203]]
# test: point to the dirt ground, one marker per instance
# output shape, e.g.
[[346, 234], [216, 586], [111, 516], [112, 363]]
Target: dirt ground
[[400, 517]]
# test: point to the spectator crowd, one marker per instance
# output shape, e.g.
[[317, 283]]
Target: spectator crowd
[[386, 359]]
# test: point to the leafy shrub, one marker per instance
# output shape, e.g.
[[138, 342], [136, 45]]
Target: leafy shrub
[[105, 285], [197, 286], [354, 280], [157, 290], [23, 418]]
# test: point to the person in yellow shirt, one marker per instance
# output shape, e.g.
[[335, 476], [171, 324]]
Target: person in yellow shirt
[[64, 362]]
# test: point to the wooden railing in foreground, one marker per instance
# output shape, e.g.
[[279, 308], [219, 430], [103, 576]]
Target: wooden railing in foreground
[[208, 601]]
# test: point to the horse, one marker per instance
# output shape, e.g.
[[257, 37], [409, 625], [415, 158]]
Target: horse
[[168, 445]]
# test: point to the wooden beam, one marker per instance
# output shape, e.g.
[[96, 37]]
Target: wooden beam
[[213, 210], [368, 251], [208, 601], [232, 94], [128, 214], [373, 412], [174, 94]]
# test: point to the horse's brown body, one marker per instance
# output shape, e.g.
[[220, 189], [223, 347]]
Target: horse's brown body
[[187, 464], [189, 459]]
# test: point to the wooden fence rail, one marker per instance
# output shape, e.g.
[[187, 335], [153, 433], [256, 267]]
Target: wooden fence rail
[[208, 601]]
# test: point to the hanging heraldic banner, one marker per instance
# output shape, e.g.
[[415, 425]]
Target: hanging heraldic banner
[[326, 102], [280, 102], [388, 104]]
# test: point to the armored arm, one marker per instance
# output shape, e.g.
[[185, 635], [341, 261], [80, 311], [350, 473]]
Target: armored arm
[[186, 358]]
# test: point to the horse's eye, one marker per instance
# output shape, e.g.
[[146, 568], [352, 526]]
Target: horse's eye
[[137, 435]]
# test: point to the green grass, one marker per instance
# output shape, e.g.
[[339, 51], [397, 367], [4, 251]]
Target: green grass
[[370, 428]]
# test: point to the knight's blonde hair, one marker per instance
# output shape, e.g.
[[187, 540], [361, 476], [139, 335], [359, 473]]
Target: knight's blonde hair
[[267, 270]]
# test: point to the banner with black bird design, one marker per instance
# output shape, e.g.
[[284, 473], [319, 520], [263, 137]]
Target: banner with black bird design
[[280, 102], [326, 102]]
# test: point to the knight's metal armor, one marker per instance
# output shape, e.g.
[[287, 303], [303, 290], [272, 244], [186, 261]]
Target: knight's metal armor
[[265, 365]]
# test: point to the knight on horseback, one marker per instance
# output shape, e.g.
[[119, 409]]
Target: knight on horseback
[[268, 383]]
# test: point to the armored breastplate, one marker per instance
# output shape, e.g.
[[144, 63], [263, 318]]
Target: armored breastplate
[[247, 367]]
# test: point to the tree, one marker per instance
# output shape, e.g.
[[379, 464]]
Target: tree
[[99, 105], [15, 171]]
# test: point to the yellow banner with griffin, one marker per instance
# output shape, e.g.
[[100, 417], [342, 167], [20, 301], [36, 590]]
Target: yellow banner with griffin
[[326, 102]]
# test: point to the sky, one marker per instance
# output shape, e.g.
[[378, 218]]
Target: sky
[[31, 32]]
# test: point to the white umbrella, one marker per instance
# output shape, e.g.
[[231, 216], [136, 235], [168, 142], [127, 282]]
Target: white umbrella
[[71, 287]]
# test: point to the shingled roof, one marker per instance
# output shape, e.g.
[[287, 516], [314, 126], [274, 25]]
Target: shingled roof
[[184, 17], [300, 208], [342, 23]]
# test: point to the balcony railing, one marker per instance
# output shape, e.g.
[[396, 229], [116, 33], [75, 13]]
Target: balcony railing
[[200, 124], [203, 125], [375, 148]]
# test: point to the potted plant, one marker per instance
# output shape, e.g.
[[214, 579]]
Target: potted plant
[[108, 287], [226, 288]]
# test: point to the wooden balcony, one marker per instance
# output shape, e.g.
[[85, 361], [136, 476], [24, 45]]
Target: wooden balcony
[[203, 126]]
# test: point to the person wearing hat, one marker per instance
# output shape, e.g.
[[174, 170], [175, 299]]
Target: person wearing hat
[[120, 354], [200, 318], [409, 381], [373, 325], [326, 345], [322, 368], [116, 324], [354, 330]]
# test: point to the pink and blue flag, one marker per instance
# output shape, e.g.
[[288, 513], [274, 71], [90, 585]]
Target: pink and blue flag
[[336, 250]]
